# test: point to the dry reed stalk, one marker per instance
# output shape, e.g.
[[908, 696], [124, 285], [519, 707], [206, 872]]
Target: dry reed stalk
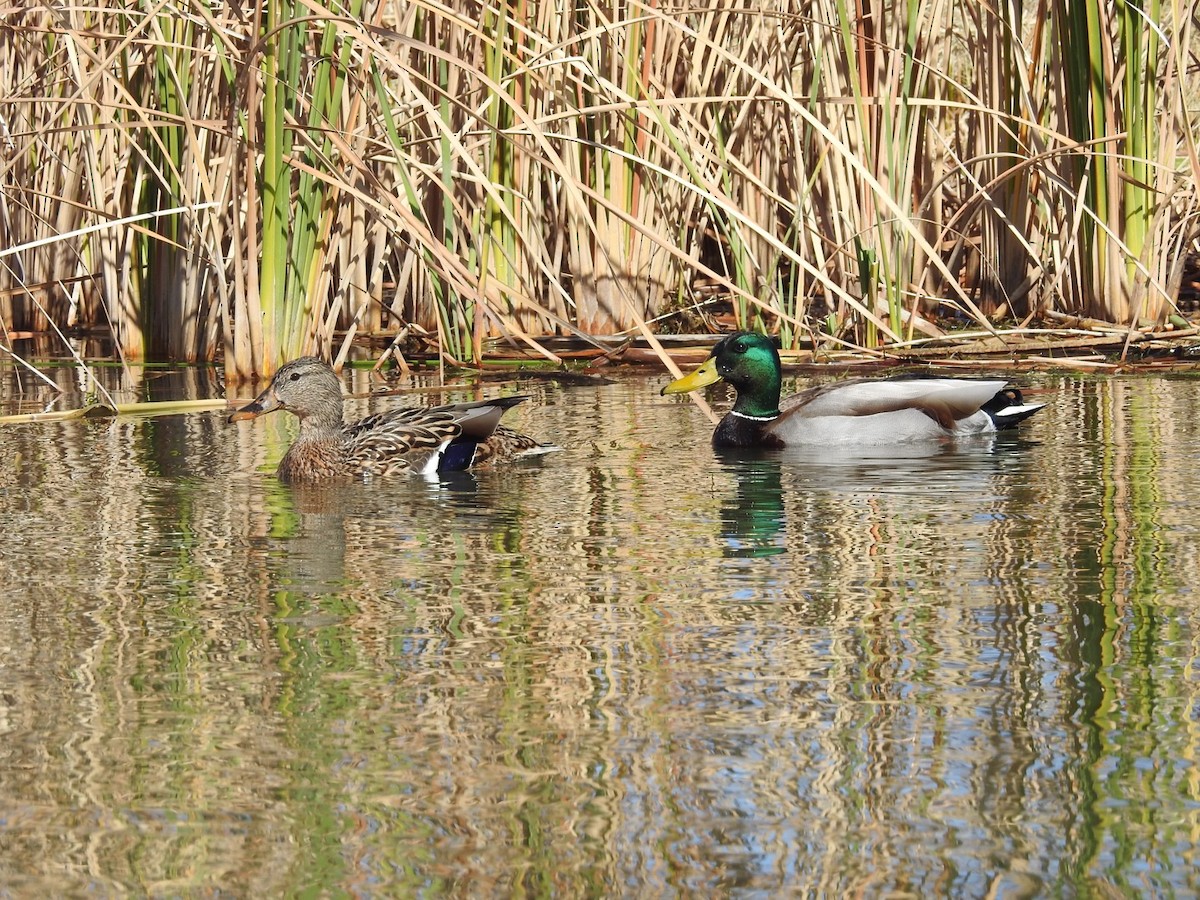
[[520, 169]]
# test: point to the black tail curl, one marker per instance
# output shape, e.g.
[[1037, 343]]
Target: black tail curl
[[1008, 408]]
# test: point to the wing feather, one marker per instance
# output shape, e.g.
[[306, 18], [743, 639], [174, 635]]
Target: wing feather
[[399, 440], [942, 399]]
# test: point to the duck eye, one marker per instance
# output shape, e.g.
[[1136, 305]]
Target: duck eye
[[295, 376], [739, 348]]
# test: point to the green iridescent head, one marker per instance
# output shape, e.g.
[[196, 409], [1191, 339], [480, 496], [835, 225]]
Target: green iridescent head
[[749, 362]]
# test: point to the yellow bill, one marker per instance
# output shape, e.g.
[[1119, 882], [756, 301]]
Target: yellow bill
[[705, 375]]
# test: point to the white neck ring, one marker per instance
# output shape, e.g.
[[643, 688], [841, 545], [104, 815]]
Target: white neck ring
[[741, 415]]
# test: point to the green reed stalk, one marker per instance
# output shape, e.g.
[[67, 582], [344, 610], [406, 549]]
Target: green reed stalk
[[1082, 41], [275, 182], [738, 252], [883, 71], [435, 293], [297, 178], [169, 314], [445, 301], [499, 250], [609, 266], [453, 308], [1119, 123], [468, 219], [1000, 142], [1138, 24]]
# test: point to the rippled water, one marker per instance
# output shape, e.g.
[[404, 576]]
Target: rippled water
[[633, 668]]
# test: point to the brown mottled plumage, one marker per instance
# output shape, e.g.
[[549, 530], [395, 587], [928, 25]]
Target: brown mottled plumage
[[397, 442]]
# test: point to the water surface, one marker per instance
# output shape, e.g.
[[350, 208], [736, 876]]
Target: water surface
[[634, 668]]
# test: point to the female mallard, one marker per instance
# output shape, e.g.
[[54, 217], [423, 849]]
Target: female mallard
[[398, 442], [858, 411]]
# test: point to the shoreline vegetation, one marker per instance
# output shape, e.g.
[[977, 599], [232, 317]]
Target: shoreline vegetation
[[872, 182]]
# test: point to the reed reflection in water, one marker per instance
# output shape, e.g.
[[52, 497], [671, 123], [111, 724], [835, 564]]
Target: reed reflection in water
[[634, 668]]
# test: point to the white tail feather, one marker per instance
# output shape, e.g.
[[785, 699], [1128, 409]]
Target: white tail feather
[[434, 459]]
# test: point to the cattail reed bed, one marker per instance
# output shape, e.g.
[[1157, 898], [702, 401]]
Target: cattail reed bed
[[209, 183]]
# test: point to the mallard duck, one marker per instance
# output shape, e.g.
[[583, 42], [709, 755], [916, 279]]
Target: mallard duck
[[397, 442], [858, 411]]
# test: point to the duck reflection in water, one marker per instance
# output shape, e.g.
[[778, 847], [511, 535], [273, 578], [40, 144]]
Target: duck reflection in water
[[316, 526], [752, 518]]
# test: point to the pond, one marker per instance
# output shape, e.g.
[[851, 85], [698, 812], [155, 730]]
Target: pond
[[631, 668]]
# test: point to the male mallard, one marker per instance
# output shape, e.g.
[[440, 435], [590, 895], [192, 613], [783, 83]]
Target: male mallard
[[397, 442], [858, 411]]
